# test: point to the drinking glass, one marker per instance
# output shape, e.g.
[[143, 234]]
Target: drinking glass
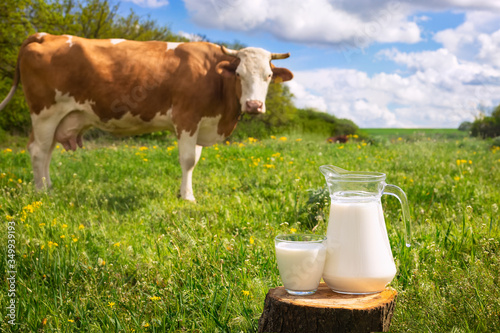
[[301, 258]]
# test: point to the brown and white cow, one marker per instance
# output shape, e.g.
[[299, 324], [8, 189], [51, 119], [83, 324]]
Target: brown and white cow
[[197, 90]]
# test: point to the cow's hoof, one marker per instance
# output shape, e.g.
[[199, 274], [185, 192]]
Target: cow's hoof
[[188, 197]]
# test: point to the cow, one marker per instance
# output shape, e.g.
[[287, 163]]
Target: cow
[[198, 90], [338, 139]]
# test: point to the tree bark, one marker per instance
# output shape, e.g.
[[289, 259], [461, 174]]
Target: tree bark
[[327, 311]]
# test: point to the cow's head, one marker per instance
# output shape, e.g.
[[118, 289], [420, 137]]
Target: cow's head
[[254, 71]]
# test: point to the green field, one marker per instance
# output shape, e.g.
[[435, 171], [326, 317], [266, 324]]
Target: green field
[[415, 133], [112, 249]]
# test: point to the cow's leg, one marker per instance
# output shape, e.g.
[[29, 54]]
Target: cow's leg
[[40, 147], [189, 155]]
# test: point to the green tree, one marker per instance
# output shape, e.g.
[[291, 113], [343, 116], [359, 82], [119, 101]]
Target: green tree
[[465, 126], [487, 126], [14, 24]]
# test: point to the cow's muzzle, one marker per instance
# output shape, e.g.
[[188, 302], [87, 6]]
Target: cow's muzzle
[[254, 106]]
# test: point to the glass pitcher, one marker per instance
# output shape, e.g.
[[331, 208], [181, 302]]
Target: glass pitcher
[[359, 258]]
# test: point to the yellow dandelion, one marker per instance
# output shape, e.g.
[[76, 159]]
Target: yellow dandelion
[[145, 325], [145, 159], [457, 178], [111, 304], [50, 244], [64, 226], [101, 262], [246, 292], [341, 147], [71, 320], [273, 137], [9, 218], [283, 138], [298, 140], [155, 298], [116, 244], [143, 148], [400, 139], [7, 150], [293, 230], [62, 236], [252, 240], [20, 181], [81, 226], [75, 239]]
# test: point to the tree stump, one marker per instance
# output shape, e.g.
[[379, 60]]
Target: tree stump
[[327, 311]]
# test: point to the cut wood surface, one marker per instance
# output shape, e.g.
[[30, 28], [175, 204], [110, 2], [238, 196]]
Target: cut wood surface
[[327, 311]]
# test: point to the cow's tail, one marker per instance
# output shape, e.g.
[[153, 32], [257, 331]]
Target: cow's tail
[[17, 77], [17, 74]]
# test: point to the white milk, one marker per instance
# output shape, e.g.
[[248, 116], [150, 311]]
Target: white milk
[[300, 264], [359, 257]]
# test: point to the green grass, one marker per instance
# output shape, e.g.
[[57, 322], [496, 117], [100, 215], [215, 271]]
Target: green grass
[[131, 256], [415, 133]]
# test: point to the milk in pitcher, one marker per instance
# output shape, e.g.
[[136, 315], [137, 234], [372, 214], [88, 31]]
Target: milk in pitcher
[[359, 258]]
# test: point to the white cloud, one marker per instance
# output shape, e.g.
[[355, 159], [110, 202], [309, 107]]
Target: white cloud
[[149, 3], [313, 22], [345, 24], [477, 39], [440, 91], [191, 37]]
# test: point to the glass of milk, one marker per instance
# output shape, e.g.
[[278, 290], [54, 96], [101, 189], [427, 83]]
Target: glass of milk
[[301, 259]]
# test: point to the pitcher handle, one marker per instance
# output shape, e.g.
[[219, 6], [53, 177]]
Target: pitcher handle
[[400, 194]]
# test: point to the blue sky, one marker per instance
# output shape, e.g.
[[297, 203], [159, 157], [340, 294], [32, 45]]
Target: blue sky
[[385, 63]]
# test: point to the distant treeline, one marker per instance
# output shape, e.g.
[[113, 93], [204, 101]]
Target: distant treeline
[[100, 19], [484, 126]]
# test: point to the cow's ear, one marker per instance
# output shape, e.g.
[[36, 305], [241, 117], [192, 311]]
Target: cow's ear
[[226, 69], [281, 74]]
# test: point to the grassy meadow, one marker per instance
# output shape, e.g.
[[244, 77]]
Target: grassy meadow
[[112, 249]]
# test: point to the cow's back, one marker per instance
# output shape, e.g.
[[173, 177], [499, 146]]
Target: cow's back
[[118, 76]]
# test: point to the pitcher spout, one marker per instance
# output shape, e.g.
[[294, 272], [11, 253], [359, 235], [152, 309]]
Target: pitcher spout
[[344, 183], [332, 170]]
